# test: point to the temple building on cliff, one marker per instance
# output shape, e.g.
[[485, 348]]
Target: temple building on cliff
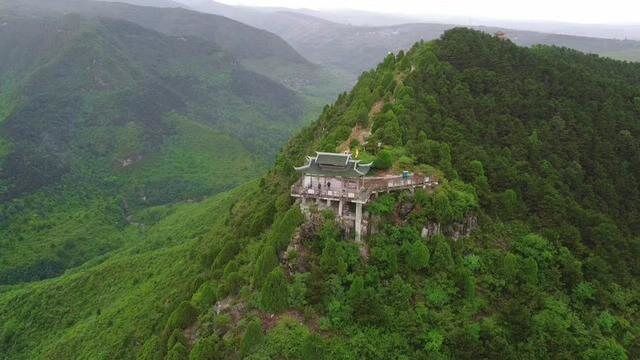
[[341, 183]]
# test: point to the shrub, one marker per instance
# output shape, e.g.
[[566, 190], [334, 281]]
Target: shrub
[[384, 160], [418, 257], [232, 283], [227, 253], [177, 337], [178, 352], [442, 258], [204, 297], [274, 294], [298, 291], [384, 205], [9, 330], [266, 262], [151, 349], [182, 316], [584, 292], [606, 349], [252, 337], [207, 348], [312, 349]]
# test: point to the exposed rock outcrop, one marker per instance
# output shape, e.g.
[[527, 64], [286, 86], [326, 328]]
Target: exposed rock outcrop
[[455, 231]]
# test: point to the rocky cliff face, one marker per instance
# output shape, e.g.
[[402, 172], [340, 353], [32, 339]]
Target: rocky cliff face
[[454, 231]]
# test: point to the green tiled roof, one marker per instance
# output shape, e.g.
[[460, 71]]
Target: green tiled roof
[[332, 159], [334, 164]]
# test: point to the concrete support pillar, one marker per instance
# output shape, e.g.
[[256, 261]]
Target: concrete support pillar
[[358, 222], [329, 203], [340, 204]]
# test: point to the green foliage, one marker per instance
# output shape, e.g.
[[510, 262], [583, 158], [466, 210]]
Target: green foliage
[[105, 118], [182, 316], [514, 142], [298, 291], [207, 348], [266, 262], [177, 352], [288, 340], [274, 296], [453, 201], [384, 160], [283, 228], [418, 257], [584, 292], [333, 258], [122, 303], [442, 258], [252, 337], [204, 297], [177, 337], [606, 349], [433, 341], [384, 205]]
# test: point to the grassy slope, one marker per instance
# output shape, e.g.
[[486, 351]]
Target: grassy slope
[[108, 308], [77, 225]]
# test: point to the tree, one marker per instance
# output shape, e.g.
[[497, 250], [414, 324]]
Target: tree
[[442, 258], [207, 348], [267, 261], [312, 349], [274, 294], [418, 257], [177, 352], [607, 349], [508, 205], [205, 296], [384, 160], [433, 341], [182, 316], [360, 298], [298, 291], [332, 260], [252, 337]]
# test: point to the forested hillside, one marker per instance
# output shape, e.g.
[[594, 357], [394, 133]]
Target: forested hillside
[[258, 50], [101, 117], [539, 145]]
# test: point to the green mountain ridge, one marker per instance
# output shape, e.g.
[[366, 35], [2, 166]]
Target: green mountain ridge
[[102, 117], [352, 49], [257, 49], [539, 144]]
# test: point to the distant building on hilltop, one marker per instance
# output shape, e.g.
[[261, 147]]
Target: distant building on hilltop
[[501, 35]]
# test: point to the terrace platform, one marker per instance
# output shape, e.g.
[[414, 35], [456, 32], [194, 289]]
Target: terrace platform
[[339, 182]]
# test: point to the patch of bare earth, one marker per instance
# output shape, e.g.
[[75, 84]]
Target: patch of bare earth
[[269, 321], [191, 334], [376, 108], [357, 133], [231, 306]]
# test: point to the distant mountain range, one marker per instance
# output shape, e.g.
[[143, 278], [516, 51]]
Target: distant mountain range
[[261, 51], [353, 48]]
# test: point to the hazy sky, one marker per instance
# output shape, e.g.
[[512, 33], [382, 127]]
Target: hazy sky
[[580, 11]]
